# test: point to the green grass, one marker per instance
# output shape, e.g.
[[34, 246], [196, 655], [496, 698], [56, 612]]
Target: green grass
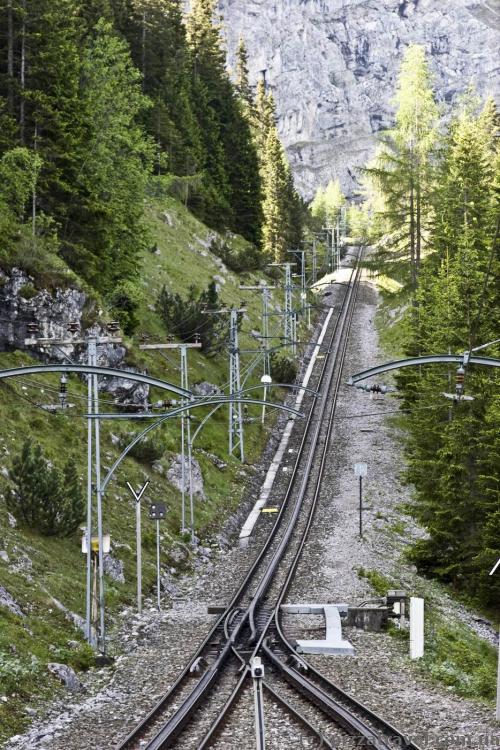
[[380, 583], [57, 565], [458, 658], [454, 655]]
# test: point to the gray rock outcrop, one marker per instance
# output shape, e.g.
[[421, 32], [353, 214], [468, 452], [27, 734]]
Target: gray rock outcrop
[[332, 65], [114, 568], [174, 476], [206, 389], [21, 303], [8, 601], [66, 675]]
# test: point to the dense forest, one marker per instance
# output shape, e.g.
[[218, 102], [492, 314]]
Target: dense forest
[[434, 199], [105, 102]]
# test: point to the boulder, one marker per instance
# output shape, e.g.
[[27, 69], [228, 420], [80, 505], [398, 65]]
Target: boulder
[[8, 601], [114, 568], [174, 476], [66, 675], [206, 389]]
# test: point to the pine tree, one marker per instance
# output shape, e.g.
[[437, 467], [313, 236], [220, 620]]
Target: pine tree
[[43, 497], [327, 202], [42, 90], [232, 193], [451, 450]]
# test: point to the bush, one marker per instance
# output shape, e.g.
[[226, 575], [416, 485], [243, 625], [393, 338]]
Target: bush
[[283, 369], [125, 301], [247, 258], [147, 450], [186, 318], [42, 496]]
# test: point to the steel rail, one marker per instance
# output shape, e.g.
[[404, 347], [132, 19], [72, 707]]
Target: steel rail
[[176, 723], [325, 686], [324, 742], [346, 308], [318, 694], [271, 571]]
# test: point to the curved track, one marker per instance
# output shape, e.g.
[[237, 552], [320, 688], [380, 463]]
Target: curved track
[[199, 704]]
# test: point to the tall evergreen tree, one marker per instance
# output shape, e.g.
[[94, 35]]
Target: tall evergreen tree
[[105, 228], [449, 448], [231, 165], [404, 170]]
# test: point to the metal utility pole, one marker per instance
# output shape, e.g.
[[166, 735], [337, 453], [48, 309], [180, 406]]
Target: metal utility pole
[[266, 374], [185, 430], [157, 512], [91, 341], [257, 672], [288, 309], [360, 471], [265, 322], [338, 241], [235, 427], [137, 497], [314, 276], [330, 242], [235, 409], [302, 275]]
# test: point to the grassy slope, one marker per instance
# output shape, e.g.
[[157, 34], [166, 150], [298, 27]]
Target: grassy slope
[[42, 567]]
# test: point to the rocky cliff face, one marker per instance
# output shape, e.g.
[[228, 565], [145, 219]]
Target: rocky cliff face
[[332, 66], [21, 303]]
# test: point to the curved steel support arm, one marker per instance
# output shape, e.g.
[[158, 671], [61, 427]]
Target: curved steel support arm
[[159, 420], [95, 370], [428, 360]]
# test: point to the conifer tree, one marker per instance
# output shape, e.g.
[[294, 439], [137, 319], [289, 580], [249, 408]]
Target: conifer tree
[[404, 170], [327, 202], [242, 77], [42, 497], [451, 450], [231, 164], [275, 185], [105, 228]]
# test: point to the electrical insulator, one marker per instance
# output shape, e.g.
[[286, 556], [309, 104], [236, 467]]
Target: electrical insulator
[[459, 380], [32, 327], [63, 390], [113, 326]]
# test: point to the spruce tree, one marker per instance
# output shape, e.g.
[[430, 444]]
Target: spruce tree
[[105, 230]]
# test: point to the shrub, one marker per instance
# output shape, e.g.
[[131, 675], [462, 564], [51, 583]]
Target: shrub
[[186, 317], [125, 300], [28, 291], [147, 450], [247, 258], [283, 369], [43, 497]]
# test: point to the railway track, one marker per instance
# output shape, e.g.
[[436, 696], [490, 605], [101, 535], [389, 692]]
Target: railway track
[[199, 705]]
